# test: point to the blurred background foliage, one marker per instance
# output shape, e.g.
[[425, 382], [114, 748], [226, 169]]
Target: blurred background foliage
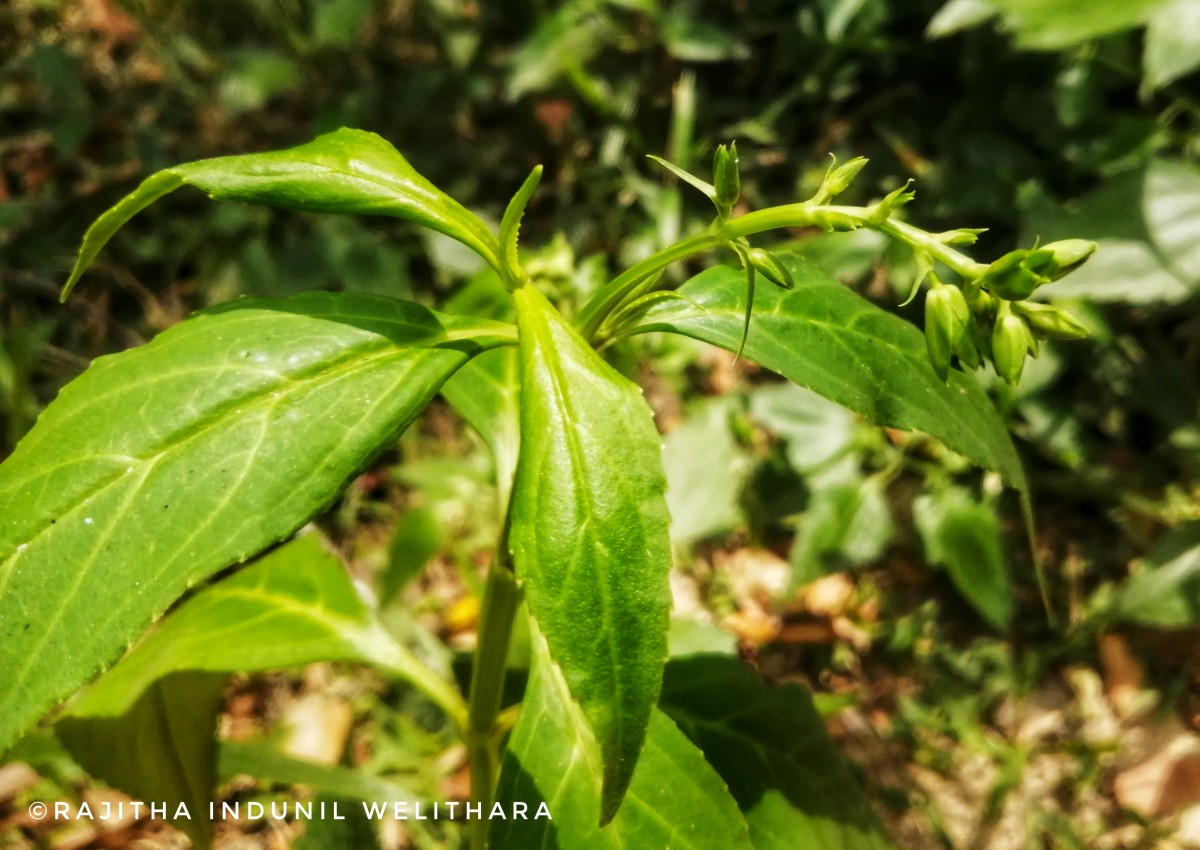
[[874, 565]]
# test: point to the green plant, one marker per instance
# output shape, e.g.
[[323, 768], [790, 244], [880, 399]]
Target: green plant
[[164, 465]]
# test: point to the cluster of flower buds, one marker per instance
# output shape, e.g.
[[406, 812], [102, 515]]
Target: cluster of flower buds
[[1017, 274], [987, 318], [990, 318]]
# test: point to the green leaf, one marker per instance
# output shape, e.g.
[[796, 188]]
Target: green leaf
[[160, 747], [1147, 225], [590, 532], [564, 41], [263, 761], [817, 431], [691, 179], [487, 393], [691, 40], [66, 101], [253, 76], [161, 465], [417, 539], [824, 337], [347, 171], [352, 832], [771, 748], [1057, 24], [703, 497], [295, 605], [1172, 43], [846, 523], [959, 15], [963, 536], [510, 227], [674, 800], [1165, 591], [337, 23]]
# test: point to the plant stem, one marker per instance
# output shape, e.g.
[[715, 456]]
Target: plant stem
[[615, 293], [501, 597]]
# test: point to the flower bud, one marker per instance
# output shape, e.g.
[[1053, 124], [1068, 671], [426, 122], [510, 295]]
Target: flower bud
[[1017, 274], [768, 265], [1011, 342], [966, 349], [946, 318], [838, 178], [1052, 321], [726, 180], [1069, 254], [982, 304], [981, 338], [961, 236], [881, 210]]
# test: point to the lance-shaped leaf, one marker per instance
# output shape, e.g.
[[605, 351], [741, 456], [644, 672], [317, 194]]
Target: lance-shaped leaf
[[148, 725], [590, 532], [675, 799], [161, 465], [295, 605], [347, 171], [771, 748], [826, 338]]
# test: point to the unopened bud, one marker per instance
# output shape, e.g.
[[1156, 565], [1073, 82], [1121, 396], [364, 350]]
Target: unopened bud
[[881, 210], [726, 180], [838, 178], [1052, 321], [981, 339], [768, 265], [966, 349], [946, 318], [961, 236], [1017, 274], [1069, 254], [1011, 342], [982, 304]]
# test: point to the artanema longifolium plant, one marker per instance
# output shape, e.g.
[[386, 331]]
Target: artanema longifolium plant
[[162, 466]]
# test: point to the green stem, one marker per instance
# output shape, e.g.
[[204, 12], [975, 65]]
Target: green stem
[[615, 293], [501, 597]]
